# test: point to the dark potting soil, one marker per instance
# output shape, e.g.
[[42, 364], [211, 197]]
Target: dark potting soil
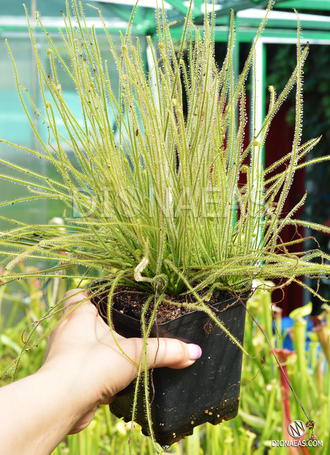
[[131, 302]]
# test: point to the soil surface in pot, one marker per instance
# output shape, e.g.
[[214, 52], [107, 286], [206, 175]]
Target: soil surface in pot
[[131, 302]]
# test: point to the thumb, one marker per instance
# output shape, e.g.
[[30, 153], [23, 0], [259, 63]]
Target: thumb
[[172, 353]]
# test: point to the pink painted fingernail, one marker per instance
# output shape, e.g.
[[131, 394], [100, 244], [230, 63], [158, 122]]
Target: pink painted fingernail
[[195, 351]]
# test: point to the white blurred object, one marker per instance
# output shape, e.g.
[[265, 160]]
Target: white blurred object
[[56, 220]]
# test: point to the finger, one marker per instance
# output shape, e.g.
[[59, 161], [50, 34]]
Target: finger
[[75, 297], [108, 400], [170, 352], [79, 301]]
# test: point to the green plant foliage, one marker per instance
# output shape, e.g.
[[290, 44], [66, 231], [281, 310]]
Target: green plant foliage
[[162, 191], [262, 397], [260, 416], [316, 122]]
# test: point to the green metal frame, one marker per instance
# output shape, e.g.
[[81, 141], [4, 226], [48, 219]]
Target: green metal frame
[[305, 4]]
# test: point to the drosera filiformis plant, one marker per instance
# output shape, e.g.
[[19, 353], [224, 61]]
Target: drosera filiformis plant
[[158, 193]]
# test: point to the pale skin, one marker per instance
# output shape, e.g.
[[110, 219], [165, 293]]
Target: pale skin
[[83, 368]]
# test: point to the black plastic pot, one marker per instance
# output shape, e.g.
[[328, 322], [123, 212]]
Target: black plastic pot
[[207, 391]]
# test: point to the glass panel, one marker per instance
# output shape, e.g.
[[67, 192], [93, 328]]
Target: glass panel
[[15, 127]]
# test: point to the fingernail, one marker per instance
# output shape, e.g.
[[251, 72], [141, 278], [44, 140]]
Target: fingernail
[[195, 351]]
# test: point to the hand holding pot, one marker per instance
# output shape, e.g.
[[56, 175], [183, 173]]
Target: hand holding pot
[[84, 344], [83, 367]]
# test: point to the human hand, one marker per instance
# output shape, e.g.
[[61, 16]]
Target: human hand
[[83, 367], [82, 347]]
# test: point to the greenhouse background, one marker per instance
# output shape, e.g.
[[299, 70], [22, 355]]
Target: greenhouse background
[[262, 412], [279, 34]]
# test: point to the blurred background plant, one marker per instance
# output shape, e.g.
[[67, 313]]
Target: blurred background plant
[[266, 405]]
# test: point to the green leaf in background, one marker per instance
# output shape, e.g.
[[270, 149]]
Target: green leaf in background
[[301, 312], [6, 341]]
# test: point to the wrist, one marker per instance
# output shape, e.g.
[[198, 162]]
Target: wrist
[[69, 383], [37, 412]]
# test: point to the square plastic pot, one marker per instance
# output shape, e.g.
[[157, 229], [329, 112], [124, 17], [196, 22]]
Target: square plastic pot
[[207, 391]]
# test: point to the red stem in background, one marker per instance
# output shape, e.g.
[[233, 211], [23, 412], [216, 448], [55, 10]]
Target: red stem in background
[[283, 354]]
